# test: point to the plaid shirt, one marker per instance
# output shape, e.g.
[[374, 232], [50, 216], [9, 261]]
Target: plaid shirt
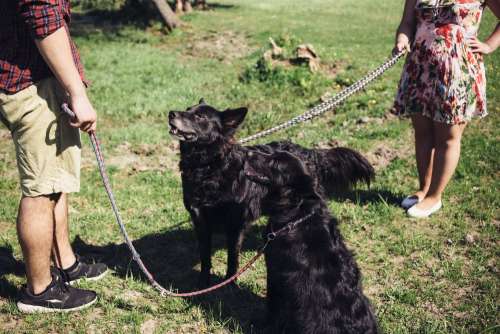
[[22, 21]]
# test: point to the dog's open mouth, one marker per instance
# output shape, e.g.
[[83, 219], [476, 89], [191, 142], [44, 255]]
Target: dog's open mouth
[[182, 135], [254, 176]]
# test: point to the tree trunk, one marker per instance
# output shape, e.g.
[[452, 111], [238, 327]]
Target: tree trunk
[[167, 14]]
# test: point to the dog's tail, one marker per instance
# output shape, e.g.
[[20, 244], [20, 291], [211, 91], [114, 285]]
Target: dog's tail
[[341, 168]]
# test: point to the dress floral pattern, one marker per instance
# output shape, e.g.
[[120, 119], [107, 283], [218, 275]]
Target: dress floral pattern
[[442, 78]]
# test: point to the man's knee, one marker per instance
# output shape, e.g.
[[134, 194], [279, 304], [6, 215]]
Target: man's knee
[[49, 201]]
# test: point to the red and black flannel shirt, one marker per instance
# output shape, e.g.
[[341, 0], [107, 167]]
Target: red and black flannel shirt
[[22, 21]]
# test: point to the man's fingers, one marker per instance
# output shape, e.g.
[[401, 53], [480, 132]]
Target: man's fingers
[[86, 126], [76, 124]]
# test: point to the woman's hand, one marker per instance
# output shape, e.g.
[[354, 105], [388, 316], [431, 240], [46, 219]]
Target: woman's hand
[[477, 46], [402, 43]]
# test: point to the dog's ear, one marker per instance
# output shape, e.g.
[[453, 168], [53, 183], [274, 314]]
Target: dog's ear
[[202, 101], [232, 119]]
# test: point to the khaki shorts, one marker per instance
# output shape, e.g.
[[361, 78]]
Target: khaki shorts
[[47, 147]]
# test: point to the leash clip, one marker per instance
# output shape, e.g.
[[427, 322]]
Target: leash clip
[[271, 236]]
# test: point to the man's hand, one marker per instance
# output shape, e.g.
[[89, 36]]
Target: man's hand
[[86, 116]]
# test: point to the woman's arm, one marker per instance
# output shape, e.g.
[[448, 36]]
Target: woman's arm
[[407, 27], [493, 42]]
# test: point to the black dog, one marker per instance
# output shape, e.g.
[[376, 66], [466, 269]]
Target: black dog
[[216, 192], [313, 282]]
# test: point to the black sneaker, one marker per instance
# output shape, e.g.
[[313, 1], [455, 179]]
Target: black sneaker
[[58, 297], [79, 270]]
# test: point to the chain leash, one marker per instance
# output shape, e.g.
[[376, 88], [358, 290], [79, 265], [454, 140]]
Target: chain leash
[[312, 113], [330, 104]]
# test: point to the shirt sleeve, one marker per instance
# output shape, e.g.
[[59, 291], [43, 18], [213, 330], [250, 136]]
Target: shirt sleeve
[[42, 17]]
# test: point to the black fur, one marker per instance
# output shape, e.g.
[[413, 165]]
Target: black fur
[[218, 195], [313, 282]]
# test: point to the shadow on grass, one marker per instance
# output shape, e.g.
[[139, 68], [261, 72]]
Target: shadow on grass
[[171, 257], [9, 265], [110, 22], [217, 5], [363, 197]]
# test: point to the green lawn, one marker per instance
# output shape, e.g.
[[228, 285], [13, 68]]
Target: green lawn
[[429, 276]]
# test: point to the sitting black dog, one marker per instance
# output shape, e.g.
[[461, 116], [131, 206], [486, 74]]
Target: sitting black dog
[[216, 192], [313, 282]]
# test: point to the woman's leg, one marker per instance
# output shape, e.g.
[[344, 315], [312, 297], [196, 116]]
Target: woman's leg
[[446, 155], [424, 150]]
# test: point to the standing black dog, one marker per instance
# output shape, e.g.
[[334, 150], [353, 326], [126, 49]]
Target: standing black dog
[[313, 282], [216, 192]]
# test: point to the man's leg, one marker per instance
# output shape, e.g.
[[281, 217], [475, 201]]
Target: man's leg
[[35, 226], [62, 253]]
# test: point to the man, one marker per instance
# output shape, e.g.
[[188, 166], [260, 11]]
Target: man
[[39, 69]]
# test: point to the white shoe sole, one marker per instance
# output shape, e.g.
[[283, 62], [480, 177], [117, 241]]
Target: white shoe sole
[[92, 279], [415, 212], [26, 308]]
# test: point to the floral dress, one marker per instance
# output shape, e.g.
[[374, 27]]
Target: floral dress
[[442, 78]]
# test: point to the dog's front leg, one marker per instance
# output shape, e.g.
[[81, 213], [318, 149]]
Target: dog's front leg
[[234, 241], [204, 235]]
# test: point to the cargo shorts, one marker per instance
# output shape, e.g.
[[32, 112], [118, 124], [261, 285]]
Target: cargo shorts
[[48, 149]]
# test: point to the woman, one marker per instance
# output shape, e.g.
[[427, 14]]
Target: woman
[[443, 86]]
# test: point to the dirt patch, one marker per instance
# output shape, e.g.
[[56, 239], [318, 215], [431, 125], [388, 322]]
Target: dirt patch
[[303, 54], [149, 326], [146, 157], [433, 309], [331, 144], [190, 328], [131, 296], [223, 46], [383, 154], [11, 324]]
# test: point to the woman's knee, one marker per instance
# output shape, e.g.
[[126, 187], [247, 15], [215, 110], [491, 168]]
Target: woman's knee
[[448, 136]]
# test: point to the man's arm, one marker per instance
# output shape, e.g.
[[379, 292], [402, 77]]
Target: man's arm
[[47, 26], [56, 51]]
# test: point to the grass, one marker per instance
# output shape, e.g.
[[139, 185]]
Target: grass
[[422, 276]]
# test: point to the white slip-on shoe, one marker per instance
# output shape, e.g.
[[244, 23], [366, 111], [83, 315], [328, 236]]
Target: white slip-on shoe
[[419, 213], [410, 201]]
